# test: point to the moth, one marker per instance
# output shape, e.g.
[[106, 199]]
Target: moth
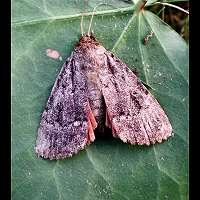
[[95, 89]]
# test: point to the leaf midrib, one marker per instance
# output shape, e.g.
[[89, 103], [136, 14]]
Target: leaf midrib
[[73, 16]]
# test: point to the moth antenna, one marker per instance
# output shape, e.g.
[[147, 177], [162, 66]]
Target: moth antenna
[[90, 25], [82, 15], [91, 19], [81, 25]]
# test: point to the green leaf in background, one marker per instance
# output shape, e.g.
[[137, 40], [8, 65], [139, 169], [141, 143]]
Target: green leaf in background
[[108, 168]]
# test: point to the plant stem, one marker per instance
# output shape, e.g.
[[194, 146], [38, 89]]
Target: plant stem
[[163, 13], [158, 13], [171, 5]]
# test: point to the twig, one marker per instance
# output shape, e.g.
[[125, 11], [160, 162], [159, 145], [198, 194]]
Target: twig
[[163, 13], [171, 5]]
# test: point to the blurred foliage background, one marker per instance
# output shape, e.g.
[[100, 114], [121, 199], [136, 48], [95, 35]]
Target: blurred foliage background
[[177, 19]]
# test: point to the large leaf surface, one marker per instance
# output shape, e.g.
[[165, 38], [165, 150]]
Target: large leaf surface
[[108, 168]]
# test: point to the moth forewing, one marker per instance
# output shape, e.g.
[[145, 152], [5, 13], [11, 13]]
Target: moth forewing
[[93, 85]]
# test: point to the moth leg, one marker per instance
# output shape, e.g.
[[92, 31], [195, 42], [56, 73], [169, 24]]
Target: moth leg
[[92, 119], [92, 124], [110, 124], [91, 136]]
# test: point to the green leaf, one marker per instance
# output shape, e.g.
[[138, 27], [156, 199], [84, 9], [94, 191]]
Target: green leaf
[[108, 168]]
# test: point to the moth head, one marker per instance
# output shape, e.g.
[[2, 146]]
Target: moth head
[[85, 38]]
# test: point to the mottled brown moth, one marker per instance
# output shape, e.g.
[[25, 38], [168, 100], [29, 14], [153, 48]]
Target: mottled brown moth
[[95, 89]]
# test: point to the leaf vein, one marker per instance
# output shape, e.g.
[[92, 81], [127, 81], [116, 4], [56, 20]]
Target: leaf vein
[[102, 175]]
